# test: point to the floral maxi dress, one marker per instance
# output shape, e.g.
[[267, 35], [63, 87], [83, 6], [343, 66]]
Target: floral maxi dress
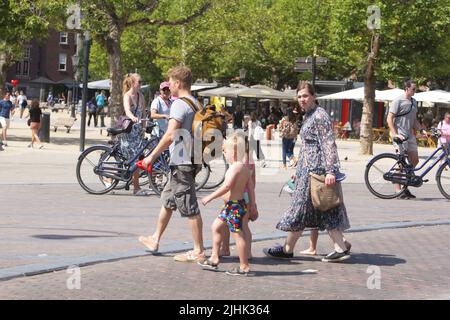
[[131, 143], [318, 154]]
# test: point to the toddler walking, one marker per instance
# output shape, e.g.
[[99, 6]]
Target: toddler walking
[[234, 214]]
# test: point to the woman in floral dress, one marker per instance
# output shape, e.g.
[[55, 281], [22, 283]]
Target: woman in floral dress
[[318, 154], [134, 108]]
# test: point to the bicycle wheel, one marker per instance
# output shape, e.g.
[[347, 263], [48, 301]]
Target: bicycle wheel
[[202, 177], [217, 169], [89, 167], [374, 176], [158, 180], [443, 179]]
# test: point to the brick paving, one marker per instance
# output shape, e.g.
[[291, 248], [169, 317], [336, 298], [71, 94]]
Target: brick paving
[[413, 265]]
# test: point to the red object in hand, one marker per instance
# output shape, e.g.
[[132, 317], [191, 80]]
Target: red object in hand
[[140, 165], [15, 83]]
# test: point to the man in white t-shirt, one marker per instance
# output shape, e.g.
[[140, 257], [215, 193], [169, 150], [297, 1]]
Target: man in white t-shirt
[[179, 192], [22, 99], [160, 107]]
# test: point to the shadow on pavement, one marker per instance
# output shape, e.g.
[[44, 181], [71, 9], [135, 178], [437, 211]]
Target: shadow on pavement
[[377, 259]]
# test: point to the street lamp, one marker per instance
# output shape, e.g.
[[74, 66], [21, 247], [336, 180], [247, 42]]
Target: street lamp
[[75, 61]]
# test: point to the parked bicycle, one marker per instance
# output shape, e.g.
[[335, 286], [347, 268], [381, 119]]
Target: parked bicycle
[[100, 168], [387, 169]]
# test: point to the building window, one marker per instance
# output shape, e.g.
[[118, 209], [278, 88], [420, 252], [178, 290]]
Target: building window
[[18, 68], [63, 38], [25, 69], [62, 61], [26, 54]]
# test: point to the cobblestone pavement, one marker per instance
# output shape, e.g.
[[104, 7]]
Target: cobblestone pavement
[[47, 222], [410, 264]]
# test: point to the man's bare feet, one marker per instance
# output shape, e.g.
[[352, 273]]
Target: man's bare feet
[[151, 244], [309, 252]]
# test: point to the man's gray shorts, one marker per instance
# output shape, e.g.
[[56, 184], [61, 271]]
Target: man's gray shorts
[[179, 192], [410, 145]]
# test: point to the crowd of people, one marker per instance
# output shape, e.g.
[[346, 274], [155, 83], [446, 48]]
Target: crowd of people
[[238, 190]]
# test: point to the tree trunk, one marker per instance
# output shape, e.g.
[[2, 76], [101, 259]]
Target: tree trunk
[[5, 63], [366, 134], [115, 70]]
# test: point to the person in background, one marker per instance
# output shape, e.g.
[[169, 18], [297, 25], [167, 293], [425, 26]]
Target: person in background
[[238, 118], [35, 123], [160, 108], [22, 98], [444, 126], [6, 110]]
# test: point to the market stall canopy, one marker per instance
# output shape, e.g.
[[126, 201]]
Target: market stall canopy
[[230, 92], [43, 80], [352, 94], [201, 86], [435, 96], [389, 95], [99, 84], [264, 92]]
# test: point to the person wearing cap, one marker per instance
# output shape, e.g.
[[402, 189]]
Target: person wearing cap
[[160, 107]]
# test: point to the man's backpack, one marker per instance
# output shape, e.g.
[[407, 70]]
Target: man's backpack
[[205, 119]]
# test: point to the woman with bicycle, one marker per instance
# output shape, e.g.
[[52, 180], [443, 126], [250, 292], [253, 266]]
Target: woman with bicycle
[[134, 108], [318, 154]]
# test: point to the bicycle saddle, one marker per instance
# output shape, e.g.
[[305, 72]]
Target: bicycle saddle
[[114, 131]]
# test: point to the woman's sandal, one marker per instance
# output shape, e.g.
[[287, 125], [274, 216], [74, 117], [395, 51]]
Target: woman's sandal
[[207, 264]]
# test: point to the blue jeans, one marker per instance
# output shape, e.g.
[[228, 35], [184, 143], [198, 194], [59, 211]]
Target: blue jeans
[[288, 149]]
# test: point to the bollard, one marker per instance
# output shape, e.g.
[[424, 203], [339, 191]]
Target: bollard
[[44, 132]]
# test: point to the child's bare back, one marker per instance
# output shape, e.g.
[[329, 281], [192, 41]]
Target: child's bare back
[[239, 175]]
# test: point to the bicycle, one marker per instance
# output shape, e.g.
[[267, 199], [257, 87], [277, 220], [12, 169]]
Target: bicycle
[[100, 168], [387, 169], [110, 166]]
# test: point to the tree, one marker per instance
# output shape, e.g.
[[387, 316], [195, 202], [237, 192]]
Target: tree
[[109, 19], [22, 21]]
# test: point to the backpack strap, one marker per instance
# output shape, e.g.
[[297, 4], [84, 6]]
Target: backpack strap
[[192, 104], [410, 109]]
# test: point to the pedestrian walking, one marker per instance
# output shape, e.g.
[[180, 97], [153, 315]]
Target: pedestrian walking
[[317, 154], [6, 110], [22, 98], [35, 123], [234, 213], [444, 127], [179, 193], [288, 132], [92, 112], [256, 135]]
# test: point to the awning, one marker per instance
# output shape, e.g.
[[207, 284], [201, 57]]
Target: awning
[[264, 92], [435, 96], [201, 86], [229, 92], [43, 80]]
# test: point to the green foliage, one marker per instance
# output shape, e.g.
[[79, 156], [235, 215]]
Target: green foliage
[[265, 37]]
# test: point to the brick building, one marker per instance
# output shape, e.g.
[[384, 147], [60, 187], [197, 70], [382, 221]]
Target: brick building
[[46, 66]]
